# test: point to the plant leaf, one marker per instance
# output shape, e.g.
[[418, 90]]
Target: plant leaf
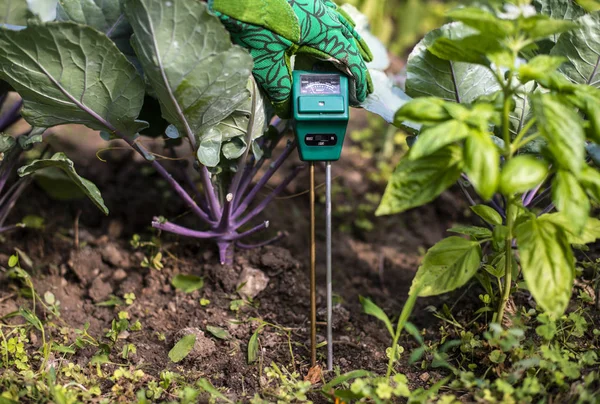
[[436, 137], [428, 75], [187, 283], [488, 214], [589, 234], [482, 163], [13, 12], [447, 265], [218, 332], [416, 182], [199, 77], [68, 73], [559, 9], [61, 161], [570, 198], [483, 21], [522, 173], [104, 15], [473, 231], [182, 348], [581, 47], [561, 127], [372, 309], [547, 263], [253, 347]]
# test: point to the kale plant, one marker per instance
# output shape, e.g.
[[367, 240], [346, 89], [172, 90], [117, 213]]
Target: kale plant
[[509, 102], [110, 65]]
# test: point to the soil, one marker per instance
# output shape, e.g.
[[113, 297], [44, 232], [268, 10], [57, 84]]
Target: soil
[[379, 264]]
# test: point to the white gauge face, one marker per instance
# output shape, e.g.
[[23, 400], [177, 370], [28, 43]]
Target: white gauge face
[[318, 84]]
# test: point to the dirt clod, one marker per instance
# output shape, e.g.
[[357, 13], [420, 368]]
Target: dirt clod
[[252, 281], [100, 290], [112, 255], [204, 346]]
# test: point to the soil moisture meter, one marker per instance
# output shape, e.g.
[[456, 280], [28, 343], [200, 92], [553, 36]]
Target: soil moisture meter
[[321, 113]]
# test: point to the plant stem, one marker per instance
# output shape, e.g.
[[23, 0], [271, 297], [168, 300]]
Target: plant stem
[[404, 315], [265, 178], [263, 204], [182, 231], [11, 116], [510, 206]]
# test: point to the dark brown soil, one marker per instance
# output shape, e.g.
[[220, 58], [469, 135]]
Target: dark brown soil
[[378, 264]]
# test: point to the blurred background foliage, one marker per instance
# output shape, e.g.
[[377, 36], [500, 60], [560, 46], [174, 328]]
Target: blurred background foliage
[[400, 24]]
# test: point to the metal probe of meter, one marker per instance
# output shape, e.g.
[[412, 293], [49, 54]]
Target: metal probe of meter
[[321, 113]]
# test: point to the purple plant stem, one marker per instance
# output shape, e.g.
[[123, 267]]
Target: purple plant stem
[[182, 231], [263, 204], [211, 196], [498, 208], [262, 226], [547, 209], [265, 178], [541, 196], [528, 197], [6, 229], [11, 116], [225, 252], [6, 206], [245, 246]]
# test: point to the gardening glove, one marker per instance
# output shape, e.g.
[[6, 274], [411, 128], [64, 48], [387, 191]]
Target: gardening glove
[[275, 30]]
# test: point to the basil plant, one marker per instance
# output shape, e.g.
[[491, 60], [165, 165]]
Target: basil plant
[[509, 103]]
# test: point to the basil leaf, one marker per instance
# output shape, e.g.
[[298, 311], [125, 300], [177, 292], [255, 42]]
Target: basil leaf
[[522, 173]]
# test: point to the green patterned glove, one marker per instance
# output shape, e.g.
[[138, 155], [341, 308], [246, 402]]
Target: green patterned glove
[[275, 30]]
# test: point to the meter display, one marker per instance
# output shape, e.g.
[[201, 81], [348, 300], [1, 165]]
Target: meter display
[[317, 84], [321, 104]]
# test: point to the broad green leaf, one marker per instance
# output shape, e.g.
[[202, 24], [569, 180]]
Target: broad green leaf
[[559, 9], [522, 112], [372, 309], [447, 265], [589, 234], [67, 73], [483, 21], [198, 76], [13, 12], [104, 15], [581, 47], [427, 110], [416, 182], [230, 136], [522, 173], [471, 49], [428, 75], [61, 161], [187, 283], [473, 231], [547, 264], [561, 127], [7, 142], [218, 332], [488, 214], [570, 198], [590, 180], [182, 348], [482, 163], [436, 137]]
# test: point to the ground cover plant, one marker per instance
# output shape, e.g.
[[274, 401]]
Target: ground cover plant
[[93, 309]]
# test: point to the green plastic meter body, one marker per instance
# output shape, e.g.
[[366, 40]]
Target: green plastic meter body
[[321, 113]]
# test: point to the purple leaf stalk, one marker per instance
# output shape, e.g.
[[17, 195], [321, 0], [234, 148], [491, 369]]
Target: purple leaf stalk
[[8, 161]]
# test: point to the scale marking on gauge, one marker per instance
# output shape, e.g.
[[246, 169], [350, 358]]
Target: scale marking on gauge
[[320, 84]]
